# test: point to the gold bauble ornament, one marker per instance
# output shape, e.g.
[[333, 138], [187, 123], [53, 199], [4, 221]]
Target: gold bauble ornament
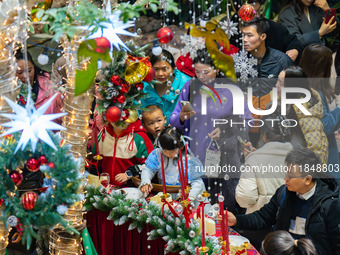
[[136, 72], [132, 117]]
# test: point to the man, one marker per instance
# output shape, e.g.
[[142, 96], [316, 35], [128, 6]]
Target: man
[[306, 206], [278, 37]]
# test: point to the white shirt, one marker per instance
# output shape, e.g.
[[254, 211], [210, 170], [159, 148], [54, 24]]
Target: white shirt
[[308, 194]]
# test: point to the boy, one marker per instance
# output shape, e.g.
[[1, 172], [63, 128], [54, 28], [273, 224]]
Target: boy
[[306, 206], [154, 121]]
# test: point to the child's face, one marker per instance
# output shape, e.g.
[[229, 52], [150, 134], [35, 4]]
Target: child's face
[[171, 153], [154, 122]]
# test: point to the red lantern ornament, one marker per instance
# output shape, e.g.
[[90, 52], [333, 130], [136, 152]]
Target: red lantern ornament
[[116, 80], [139, 86], [28, 200], [247, 12], [103, 44], [126, 114], [113, 114], [125, 88], [33, 164], [43, 160], [165, 35], [150, 76], [16, 177], [121, 99]]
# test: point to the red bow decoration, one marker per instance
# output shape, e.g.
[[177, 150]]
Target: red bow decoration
[[184, 64], [169, 206], [145, 60]]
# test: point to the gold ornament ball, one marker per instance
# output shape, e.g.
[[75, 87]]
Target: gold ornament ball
[[132, 117]]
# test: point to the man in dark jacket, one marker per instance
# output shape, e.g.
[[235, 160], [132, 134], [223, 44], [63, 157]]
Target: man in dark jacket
[[307, 206]]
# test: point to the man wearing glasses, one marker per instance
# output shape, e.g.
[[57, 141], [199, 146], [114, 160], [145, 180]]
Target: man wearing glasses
[[307, 205]]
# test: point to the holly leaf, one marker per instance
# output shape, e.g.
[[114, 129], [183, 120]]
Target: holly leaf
[[85, 78]]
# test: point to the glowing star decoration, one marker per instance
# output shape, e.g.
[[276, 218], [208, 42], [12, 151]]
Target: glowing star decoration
[[244, 65], [112, 28], [229, 27], [192, 45], [33, 123]]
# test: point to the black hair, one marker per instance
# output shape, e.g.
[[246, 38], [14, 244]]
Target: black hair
[[282, 243], [170, 138], [150, 109], [298, 6], [303, 157], [273, 130], [261, 25], [164, 56], [20, 55], [203, 57]]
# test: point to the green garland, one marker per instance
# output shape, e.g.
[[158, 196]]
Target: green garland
[[66, 180], [139, 213]]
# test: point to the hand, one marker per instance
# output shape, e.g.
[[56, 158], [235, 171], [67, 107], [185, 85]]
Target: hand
[[186, 114], [247, 148], [327, 28], [293, 54], [145, 189], [215, 134], [231, 219], [121, 178], [337, 100], [322, 4]]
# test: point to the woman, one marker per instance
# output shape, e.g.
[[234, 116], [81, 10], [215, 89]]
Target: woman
[[309, 131], [207, 138], [281, 242], [42, 88], [306, 20], [316, 61], [168, 83], [264, 173]]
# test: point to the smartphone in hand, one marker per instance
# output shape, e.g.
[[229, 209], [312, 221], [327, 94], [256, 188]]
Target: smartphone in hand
[[329, 14], [243, 143], [188, 106]]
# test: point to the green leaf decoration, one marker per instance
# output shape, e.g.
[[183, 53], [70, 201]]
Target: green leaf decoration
[[85, 78]]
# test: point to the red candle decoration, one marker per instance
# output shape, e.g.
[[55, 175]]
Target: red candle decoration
[[203, 227], [246, 12], [197, 252], [186, 164], [181, 179], [163, 175], [182, 171], [227, 232]]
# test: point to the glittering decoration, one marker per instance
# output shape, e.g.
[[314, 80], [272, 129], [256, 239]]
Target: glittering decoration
[[247, 12], [28, 200], [229, 27], [8, 11], [192, 45], [12, 221], [62, 209], [244, 65], [33, 123], [192, 233]]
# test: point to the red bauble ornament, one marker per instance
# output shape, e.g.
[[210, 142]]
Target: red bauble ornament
[[2, 201], [102, 44], [16, 177], [247, 12], [139, 86], [28, 200], [165, 35], [33, 164], [125, 88], [150, 76], [116, 80], [43, 160], [113, 114], [121, 99], [51, 165], [126, 114]]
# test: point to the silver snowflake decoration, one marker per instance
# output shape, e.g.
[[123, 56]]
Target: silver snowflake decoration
[[192, 45], [229, 27], [12, 221], [244, 65]]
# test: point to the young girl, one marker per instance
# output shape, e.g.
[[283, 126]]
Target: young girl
[[170, 142]]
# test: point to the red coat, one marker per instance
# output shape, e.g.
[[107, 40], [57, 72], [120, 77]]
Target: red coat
[[119, 153]]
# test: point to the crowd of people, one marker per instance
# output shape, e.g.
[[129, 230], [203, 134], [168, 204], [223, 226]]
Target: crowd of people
[[300, 203]]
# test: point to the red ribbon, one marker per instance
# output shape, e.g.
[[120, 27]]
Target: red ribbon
[[198, 210], [170, 208], [186, 213], [95, 164], [130, 147]]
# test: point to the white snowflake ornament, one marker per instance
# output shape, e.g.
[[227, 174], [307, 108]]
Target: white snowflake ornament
[[244, 65], [192, 45], [33, 123], [62, 209], [229, 27], [12, 221]]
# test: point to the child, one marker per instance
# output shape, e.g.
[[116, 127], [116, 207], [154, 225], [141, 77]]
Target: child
[[122, 147], [281, 242], [153, 121], [170, 142]]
